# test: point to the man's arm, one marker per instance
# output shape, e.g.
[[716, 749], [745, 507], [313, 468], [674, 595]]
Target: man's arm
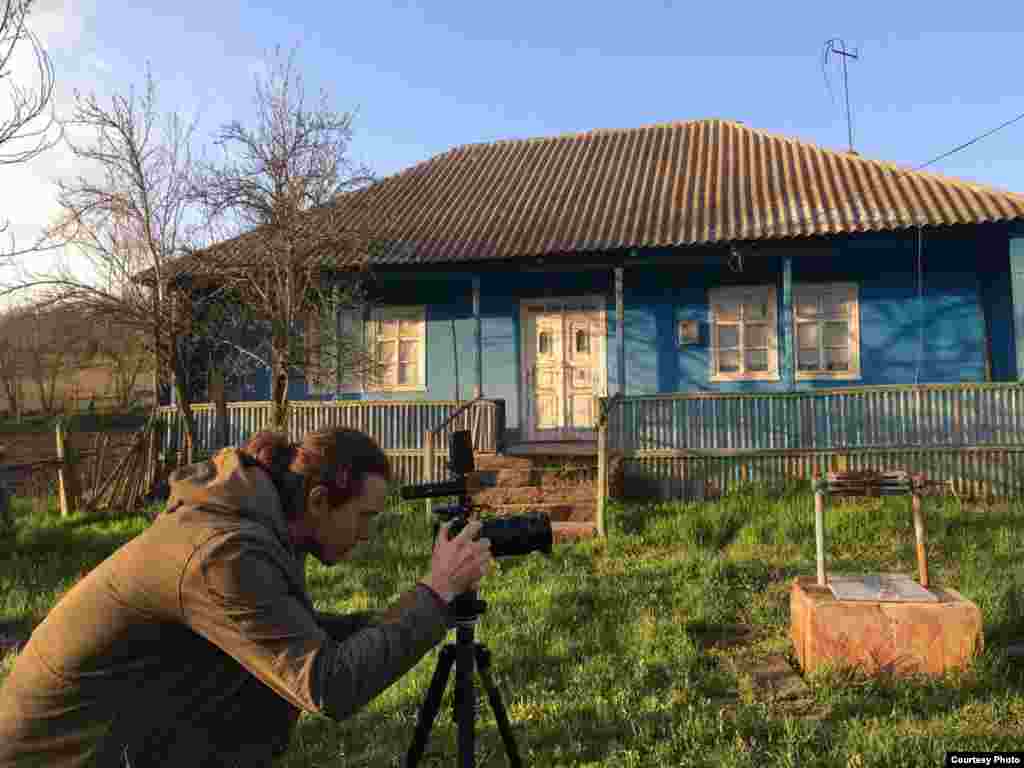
[[341, 626], [234, 593]]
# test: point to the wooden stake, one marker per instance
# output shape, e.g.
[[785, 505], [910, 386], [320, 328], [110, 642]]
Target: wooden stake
[[602, 474], [919, 535], [819, 534], [65, 476]]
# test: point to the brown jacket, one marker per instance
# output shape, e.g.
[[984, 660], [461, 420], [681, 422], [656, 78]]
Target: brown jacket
[[139, 643]]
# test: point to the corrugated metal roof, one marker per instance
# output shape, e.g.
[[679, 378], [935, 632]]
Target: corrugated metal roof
[[684, 183], [688, 183]]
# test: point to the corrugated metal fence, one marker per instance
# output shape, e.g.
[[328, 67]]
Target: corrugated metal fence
[[398, 426], [685, 445]]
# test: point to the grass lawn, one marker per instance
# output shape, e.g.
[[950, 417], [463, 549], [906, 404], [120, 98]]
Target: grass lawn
[[601, 651]]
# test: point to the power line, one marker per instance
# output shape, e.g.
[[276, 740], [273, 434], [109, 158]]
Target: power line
[[972, 141]]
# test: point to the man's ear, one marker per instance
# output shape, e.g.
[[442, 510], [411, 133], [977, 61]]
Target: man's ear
[[317, 502]]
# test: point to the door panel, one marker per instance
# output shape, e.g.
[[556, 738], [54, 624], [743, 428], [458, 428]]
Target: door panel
[[547, 371], [565, 369], [581, 368]]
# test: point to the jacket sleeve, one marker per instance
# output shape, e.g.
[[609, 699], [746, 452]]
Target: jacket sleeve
[[235, 593]]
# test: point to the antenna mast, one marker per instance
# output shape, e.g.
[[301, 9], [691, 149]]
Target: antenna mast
[[830, 49]]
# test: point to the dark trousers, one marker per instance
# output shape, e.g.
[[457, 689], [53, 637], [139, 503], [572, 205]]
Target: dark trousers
[[220, 716]]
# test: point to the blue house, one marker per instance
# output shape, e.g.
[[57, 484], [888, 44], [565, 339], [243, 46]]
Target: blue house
[[702, 256]]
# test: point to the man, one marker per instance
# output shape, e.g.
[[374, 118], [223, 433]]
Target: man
[[196, 643]]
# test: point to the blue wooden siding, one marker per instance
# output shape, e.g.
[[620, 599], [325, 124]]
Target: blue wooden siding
[[938, 338], [935, 338]]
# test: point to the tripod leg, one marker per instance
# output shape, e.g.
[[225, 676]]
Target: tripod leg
[[483, 665], [465, 703], [431, 705]]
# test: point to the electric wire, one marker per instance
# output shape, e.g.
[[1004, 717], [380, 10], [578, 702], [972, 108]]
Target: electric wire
[[972, 141]]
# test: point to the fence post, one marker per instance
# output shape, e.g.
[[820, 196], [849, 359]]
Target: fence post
[[428, 469], [67, 488], [602, 473]]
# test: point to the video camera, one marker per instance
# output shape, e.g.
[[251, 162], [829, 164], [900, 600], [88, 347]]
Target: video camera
[[509, 535]]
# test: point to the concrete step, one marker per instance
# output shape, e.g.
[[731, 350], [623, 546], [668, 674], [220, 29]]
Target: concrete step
[[497, 461], [567, 533], [577, 512], [548, 478], [535, 495]]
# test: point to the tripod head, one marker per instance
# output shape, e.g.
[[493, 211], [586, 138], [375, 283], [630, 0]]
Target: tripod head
[[509, 535]]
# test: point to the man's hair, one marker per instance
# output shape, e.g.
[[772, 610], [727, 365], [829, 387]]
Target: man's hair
[[317, 459]]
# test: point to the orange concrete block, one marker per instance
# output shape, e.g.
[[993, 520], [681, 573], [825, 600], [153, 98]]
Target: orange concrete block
[[902, 638]]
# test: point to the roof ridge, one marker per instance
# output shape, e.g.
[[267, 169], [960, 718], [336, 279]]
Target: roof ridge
[[887, 165]]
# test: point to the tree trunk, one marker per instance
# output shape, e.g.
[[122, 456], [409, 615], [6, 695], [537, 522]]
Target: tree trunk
[[184, 401], [279, 401], [279, 390]]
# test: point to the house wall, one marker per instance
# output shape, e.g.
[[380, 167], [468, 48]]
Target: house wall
[[935, 338]]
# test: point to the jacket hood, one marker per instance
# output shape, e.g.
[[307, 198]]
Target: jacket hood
[[223, 484]]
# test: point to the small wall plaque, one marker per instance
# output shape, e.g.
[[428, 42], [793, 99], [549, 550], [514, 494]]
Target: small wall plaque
[[689, 332]]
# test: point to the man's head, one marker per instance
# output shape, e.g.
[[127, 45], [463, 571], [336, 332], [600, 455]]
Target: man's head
[[332, 485]]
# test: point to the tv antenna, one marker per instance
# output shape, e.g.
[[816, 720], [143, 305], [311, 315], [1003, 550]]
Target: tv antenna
[[836, 46]]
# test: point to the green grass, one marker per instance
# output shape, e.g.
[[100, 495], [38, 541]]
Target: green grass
[[598, 649]]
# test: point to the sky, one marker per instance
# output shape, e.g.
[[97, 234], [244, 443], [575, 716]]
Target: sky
[[424, 77]]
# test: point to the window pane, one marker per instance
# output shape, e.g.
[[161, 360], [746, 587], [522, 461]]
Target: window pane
[[582, 341], [837, 360], [407, 352], [806, 306], [807, 335], [544, 343], [808, 359], [728, 336], [407, 373], [755, 308], [835, 305], [756, 335], [836, 334], [727, 311], [388, 329], [757, 360], [729, 362], [386, 351]]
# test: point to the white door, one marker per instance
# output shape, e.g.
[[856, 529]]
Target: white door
[[565, 368]]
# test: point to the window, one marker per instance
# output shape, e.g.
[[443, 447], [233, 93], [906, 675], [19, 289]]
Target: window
[[328, 339], [398, 340], [544, 343], [827, 331], [744, 336]]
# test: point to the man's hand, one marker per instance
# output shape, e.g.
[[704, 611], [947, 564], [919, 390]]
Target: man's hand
[[457, 565]]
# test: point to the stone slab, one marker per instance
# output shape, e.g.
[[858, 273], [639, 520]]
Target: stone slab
[[900, 638]]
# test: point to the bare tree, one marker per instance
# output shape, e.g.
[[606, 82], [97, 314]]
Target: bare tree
[[25, 128], [13, 359], [131, 221], [125, 355], [22, 125], [53, 346], [287, 250]]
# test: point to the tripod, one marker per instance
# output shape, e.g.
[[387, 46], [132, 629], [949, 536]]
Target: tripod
[[463, 653]]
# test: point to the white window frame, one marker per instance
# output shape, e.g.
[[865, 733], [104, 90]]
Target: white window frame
[[738, 293], [416, 313], [817, 291]]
